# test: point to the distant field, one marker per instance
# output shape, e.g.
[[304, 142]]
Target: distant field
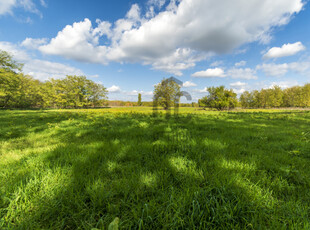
[[80, 169]]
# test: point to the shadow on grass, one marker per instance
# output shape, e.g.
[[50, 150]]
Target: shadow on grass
[[220, 172]]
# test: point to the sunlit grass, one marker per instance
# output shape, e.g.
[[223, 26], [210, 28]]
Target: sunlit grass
[[80, 169]]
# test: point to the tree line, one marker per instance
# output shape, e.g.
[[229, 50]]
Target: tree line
[[221, 98], [296, 96], [275, 97], [18, 90]]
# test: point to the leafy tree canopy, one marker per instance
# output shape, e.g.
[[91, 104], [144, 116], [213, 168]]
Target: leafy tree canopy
[[167, 93], [7, 63], [219, 98]]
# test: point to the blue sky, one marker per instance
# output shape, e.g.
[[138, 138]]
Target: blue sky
[[128, 46]]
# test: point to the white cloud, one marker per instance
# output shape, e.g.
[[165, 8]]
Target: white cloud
[[134, 12], [114, 89], [241, 73], [239, 87], [241, 63], [44, 70], [6, 6], [78, 42], [216, 63], [201, 90], [241, 51], [188, 84], [180, 60], [39, 69], [157, 3], [150, 13], [300, 67], [28, 5], [149, 93], [285, 50], [18, 54], [239, 91], [118, 94], [216, 72], [43, 3], [238, 84], [31, 43], [136, 92], [281, 69], [274, 69], [131, 95], [283, 84], [174, 39]]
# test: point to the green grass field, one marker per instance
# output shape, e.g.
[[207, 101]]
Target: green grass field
[[80, 169]]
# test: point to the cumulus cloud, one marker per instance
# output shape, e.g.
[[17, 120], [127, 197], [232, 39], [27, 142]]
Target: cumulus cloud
[[241, 87], [216, 63], [241, 63], [31, 43], [134, 12], [285, 50], [283, 84], [18, 54], [242, 73], [6, 6], [78, 42], [118, 94], [44, 70], [131, 95], [189, 84], [238, 87], [300, 67], [114, 89], [39, 69], [238, 84], [178, 61], [201, 90], [136, 92], [216, 72], [239, 91], [275, 70], [272, 84], [175, 38], [157, 3]]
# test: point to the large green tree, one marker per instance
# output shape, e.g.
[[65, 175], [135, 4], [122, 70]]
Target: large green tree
[[167, 93], [220, 98], [75, 92], [246, 99]]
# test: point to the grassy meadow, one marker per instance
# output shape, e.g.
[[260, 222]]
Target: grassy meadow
[[80, 169]]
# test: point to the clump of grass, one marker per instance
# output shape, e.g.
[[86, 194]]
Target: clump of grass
[[84, 169]]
